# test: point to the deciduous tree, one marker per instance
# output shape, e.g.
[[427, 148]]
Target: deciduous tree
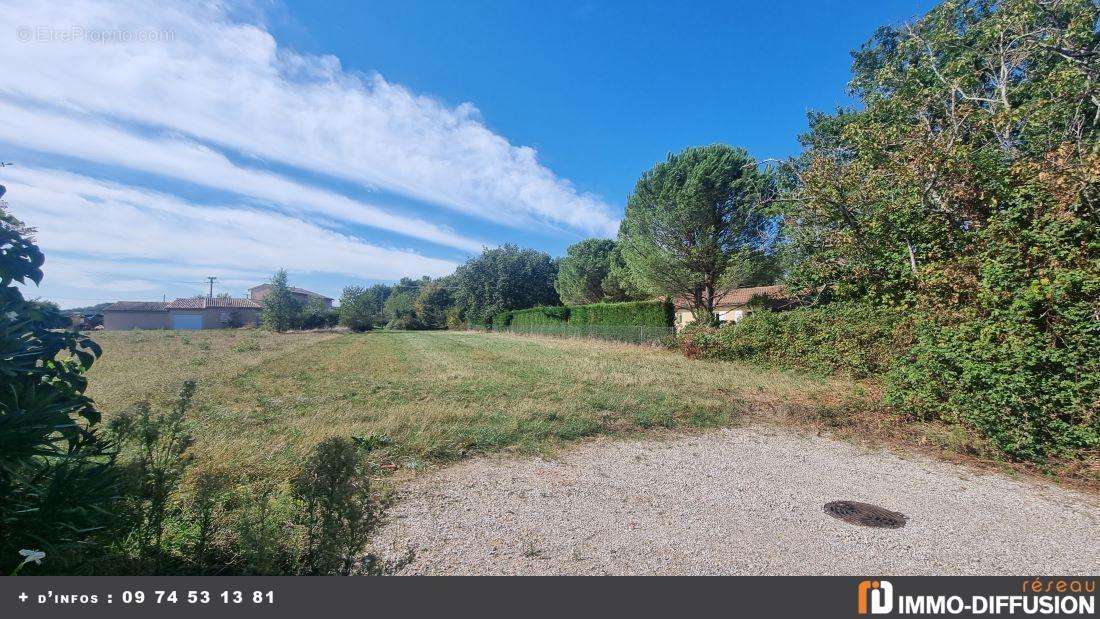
[[280, 308], [501, 279]]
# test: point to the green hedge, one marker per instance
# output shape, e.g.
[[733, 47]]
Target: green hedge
[[847, 337], [649, 314], [638, 313], [501, 320], [638, 322], [538, 316]]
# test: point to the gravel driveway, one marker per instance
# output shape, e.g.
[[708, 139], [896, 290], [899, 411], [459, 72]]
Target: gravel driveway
[[737, 501]]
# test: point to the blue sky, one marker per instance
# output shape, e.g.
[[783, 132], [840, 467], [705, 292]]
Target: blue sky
[[353, 142]]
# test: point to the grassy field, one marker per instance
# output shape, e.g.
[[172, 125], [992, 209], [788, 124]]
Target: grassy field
[[265, 399]]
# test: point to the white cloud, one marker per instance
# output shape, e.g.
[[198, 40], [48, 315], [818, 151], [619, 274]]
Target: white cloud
[[125, 235], [228, 85], [195, 163]]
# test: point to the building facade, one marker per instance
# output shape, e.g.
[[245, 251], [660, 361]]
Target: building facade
[[257, 294], [735, 304], [198, 313]]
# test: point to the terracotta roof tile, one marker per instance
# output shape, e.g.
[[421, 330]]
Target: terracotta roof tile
[[204, 302], [741, 296], [136, 306]]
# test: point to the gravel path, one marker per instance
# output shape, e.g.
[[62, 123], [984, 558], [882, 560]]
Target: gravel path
[[738, 501]]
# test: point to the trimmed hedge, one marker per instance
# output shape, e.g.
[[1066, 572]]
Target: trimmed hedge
[[538, 316], [637, 313], [649, 314]]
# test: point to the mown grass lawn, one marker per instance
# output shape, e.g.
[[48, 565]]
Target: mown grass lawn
[[265, 399]]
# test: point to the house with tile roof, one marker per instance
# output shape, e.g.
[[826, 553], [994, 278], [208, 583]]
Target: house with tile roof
[[735, 304], [257, 294], [192, 313]]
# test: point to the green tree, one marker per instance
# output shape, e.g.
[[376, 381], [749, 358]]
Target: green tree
[[399, 305], [399, 308], [378, 294], [358, 308], [620, 285], [431, 305], [583, 271], [501, 279], [280, 308], [695, 225], [317, 315], [964, 191], [56, 473]]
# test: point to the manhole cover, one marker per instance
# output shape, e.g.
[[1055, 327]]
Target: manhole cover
[[865, 514]]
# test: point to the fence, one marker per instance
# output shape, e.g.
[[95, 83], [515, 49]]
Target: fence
[[621, 333]]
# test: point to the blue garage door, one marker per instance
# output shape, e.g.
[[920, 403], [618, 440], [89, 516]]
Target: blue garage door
[[186, 321]]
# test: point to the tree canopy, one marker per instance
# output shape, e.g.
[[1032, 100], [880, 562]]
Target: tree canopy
[[964, 192], [695, 225], [583, 270], [280, 308], [501, 279], [358, 308], [431, 304]]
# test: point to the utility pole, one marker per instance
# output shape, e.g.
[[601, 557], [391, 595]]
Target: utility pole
[[211, 279]]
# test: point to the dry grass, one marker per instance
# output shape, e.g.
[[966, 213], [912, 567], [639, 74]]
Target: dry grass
[[140, 365], [266, 399]]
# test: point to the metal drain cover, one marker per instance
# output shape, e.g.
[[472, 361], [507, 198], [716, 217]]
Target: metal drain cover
[[865, 514]]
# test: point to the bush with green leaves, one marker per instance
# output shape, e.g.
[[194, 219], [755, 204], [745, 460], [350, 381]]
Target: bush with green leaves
[[536, 316], [338, 512], [963, 191], [316, 315], [175, 515], [158, 445], [358, 308], [431, 304], [858, 339], [56, 473]]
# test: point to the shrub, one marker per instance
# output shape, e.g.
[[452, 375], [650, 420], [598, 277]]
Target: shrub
[[56, 474], [170, 520], [280, 308], [846, 337], [1031, 398], [159, 443], [338, 512], [358, 306], [655, 314], [501, 320], [406, 322], [454, 318], [315, 315]]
